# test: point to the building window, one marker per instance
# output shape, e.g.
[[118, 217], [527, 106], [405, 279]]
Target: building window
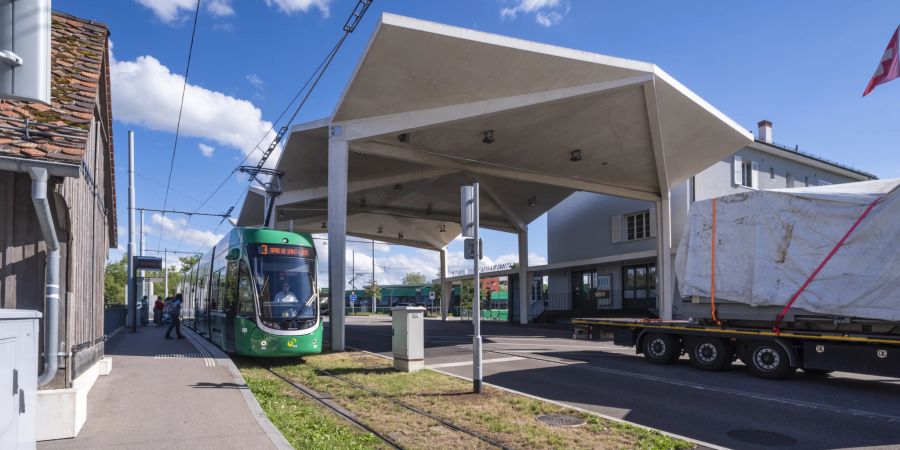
[[639, 286], [745, 173], [771, 173], [637, 226]]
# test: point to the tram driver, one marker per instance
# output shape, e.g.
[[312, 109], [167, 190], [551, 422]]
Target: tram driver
[[285, 295]]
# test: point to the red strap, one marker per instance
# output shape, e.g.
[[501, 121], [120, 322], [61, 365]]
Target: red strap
[[809, 280]]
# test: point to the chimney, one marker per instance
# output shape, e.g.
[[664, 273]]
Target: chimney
[[765, 131]]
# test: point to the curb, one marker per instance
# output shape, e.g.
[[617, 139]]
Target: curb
[[222, 359], [698, 443]]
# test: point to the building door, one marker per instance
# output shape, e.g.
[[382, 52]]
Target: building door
[[639, 286], [583, 285]]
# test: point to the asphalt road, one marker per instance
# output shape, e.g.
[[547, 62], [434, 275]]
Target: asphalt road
[[730, 408]]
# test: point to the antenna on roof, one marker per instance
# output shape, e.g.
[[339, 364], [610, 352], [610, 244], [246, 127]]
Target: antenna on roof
[[25, 50]]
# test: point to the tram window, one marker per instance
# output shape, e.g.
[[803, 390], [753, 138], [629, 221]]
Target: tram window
[[245, 292], [214, 293], [230, 285]]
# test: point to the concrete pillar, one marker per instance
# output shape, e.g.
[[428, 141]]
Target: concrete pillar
[[445, 287], [337, 234], [524, 284], [665, 276]]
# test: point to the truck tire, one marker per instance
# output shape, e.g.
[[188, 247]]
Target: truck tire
[[661, 348], [768, 360], [709, 353]]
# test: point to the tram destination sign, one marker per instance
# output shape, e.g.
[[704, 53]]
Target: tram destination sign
[[147, 263], [283, 250]]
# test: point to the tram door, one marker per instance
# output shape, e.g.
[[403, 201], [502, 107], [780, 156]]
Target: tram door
[[230, 304]]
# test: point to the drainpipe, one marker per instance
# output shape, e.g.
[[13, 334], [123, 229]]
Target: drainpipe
[[39, 178]]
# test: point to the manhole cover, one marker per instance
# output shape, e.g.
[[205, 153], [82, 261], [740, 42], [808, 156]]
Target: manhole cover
[[762, 437], [560, 420]]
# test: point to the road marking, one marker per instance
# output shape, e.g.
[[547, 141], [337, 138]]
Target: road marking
[[208, 359], [469, 363]]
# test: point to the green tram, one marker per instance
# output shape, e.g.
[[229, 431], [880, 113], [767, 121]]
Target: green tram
[[255, 293]]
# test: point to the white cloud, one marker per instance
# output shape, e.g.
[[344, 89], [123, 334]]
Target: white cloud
[[171, 11], [206, 150], [255, 80], [546, 12], [147, 93], [178, 230], [292, 6], [220, 8]]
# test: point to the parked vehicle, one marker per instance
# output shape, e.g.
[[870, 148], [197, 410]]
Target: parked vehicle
[[787, 279]]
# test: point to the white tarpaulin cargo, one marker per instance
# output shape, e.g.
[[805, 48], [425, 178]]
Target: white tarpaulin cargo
[[768, 243]]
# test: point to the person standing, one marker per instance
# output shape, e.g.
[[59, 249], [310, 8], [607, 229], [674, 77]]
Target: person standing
[[175, 314], [157, 311]]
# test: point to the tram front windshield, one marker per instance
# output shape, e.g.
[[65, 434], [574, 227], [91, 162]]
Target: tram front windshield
[[285, 288]]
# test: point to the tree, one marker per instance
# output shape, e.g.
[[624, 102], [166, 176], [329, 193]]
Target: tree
[[413, 278], [188, 262], [373, 291], [115, 280]]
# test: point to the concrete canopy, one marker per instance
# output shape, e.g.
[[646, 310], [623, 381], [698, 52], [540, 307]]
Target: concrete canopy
[[409, 129]]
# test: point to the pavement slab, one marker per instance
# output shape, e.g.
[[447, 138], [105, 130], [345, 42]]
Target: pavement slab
[[165, 394]]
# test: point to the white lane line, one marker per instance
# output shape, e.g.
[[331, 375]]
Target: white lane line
[[469, 363], [745, 394]]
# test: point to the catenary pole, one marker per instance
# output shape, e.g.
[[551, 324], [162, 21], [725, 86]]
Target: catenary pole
[[476, 303], [141, 247], [132, 295]]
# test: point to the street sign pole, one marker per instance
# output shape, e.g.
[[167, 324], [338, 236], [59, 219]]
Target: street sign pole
[[476, 303], [469, 212]]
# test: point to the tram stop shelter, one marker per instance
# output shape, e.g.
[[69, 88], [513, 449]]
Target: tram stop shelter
[[431, 107]]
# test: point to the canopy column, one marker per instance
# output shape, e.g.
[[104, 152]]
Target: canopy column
[[665, 276], [445, 286], [337, 233], [524, 282]]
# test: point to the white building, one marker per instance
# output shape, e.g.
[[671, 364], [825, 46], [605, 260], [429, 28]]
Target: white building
[[602, 250]]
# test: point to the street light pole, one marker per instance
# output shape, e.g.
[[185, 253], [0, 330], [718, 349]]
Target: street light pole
[[132, 295]]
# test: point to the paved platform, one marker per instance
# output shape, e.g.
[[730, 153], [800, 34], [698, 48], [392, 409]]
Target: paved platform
[[169, 394]]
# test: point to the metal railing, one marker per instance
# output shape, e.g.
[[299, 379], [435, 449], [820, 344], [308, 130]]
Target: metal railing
[[113, 318]]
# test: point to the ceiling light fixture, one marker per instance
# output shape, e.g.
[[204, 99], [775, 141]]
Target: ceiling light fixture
[[443, 228], [323, 226], [362, 203], [380, 229], [428, 210], [404, 138], [398, 186], [532, 201], [488, 137], [399, 235], [575, 155]]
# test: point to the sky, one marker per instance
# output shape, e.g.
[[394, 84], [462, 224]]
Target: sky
[[802, 65]]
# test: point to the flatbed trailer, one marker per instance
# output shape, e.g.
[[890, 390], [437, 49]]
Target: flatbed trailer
[[768, 354]]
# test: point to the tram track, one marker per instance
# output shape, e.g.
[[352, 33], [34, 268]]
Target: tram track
[[347, 415], [333, 407]]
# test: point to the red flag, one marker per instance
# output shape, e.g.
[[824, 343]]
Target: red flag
[[889, 66]]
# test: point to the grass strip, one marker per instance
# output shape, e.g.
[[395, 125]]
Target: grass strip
[[502, 416], [303, 423]]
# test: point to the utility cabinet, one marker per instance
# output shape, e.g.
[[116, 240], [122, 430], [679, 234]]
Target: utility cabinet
[[18, 377], [408, 338]]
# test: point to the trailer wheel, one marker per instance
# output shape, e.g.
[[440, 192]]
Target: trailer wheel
[[660, 348], [769, 360], [708, 353]]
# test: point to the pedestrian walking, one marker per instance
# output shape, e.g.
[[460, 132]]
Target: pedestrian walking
[[158, 311], [175, 315]]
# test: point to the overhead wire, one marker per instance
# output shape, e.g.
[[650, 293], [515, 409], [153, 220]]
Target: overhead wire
[[180, 111]]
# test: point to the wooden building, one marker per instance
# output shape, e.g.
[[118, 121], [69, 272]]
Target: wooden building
[[72, 140]]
